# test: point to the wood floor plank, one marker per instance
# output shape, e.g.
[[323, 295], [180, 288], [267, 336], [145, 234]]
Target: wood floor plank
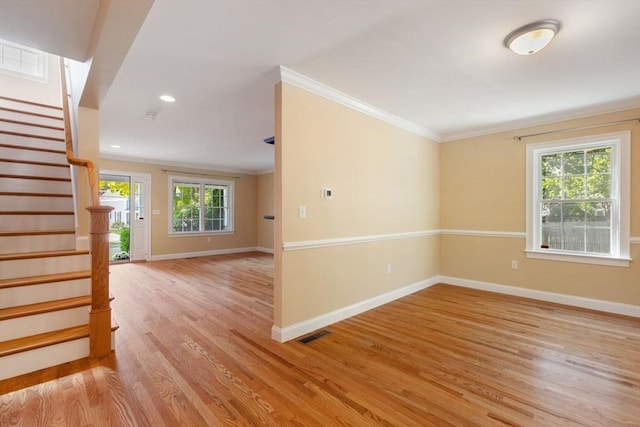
[[194, 348]]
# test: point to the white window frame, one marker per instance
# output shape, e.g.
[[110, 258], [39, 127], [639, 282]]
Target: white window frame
[[620, 143], [42, 74], [202, 182]]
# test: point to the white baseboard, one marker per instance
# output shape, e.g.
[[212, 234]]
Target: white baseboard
[[83, 243], [202, 253], [302, 328], [576, 301], [267, 250]]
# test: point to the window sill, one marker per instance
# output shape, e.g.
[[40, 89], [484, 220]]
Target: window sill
[[201, 233], [579, 258]]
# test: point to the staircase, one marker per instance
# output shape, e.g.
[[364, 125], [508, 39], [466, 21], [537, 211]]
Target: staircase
[[45, 282]]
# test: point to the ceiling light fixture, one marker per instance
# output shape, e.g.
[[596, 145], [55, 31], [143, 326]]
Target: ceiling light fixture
[[115, 146], [532, 38], [150, 115], [167, 98]]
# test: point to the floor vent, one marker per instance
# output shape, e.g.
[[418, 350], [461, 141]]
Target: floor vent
[[314, 336]]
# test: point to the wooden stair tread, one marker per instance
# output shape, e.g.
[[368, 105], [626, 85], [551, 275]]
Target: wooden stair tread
[[30, 135], [31, 113], [46, 254], [22, 101], [33, 162], [18, 193], [47, 278], [35, 233], [38, 125], [43, 178], [44, 307], [42, 340]]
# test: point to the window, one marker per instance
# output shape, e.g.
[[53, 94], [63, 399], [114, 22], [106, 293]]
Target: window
[[200, 206], [578, 199], [23, 61]]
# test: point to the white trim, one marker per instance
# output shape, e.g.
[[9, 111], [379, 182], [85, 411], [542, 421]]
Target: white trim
[[579, 258], [306, 326], [160, 162], [182, 255], [82, 243], [546, 119], [303, 82], [575, 301], [634, 240], [339, 241], [483, 233], [266, 250]]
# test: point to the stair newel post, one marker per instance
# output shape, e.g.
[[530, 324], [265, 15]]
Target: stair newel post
[[100, 314]]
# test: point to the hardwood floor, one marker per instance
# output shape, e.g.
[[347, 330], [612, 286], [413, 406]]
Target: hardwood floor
[[194, 349]]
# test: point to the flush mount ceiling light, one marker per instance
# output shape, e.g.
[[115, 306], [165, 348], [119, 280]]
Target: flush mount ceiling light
[[167, 98], [115, 146], [532, 38]]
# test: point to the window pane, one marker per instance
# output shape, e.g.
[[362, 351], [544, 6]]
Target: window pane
[[573, 187], [555, 213], [599, 161], [573, 163], [573, 239], [186, 207], [551, 188], [598, 214], [573, 214], [599, 186], [598, 240], [551, 165], [551, 237]]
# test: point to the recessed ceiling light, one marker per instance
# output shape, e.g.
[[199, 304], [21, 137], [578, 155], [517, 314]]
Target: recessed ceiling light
[[115, 146], [167, 98], [532, 38]]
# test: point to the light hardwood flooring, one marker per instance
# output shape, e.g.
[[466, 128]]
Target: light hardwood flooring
[[194, 349]]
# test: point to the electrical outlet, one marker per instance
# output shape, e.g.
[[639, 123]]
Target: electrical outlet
[[514, 264], [302, 212], [388, 268]]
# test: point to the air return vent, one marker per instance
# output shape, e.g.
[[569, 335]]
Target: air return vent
[[314, 336]]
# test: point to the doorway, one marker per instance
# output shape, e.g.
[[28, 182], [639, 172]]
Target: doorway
[[129, 229]]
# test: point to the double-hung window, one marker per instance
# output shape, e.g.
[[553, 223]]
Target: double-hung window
[[578, 199], [200, 206]]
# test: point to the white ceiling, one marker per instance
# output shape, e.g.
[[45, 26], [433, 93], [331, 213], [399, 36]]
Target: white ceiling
[[439, 64]]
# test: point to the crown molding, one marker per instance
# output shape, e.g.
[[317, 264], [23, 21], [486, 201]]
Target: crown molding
[[286, 75], [545, 119]]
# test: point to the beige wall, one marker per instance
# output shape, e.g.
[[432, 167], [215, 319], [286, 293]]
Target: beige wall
[[161, 244], [482, 187], [265, 202], [47, 92], [384, 181]]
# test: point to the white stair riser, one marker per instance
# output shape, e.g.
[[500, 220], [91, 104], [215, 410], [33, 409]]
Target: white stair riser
[[40, 266], [31, 130], [24, 141], [37, 204], [40, 323], [30, 108], [34, 186], [32, 294], [36, 222], [26, 169], [37, 243], [45, 357], [30, 118], [32, 155]]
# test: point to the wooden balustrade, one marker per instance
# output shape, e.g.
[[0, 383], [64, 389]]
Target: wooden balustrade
[[100, 314]]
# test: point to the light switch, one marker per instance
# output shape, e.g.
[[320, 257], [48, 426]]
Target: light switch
[[302, 212], [156, 212]]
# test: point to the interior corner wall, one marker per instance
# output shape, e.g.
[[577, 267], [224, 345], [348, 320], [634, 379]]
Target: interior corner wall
[[164, 246], [385, 193], [265, 202], [483, 189]]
